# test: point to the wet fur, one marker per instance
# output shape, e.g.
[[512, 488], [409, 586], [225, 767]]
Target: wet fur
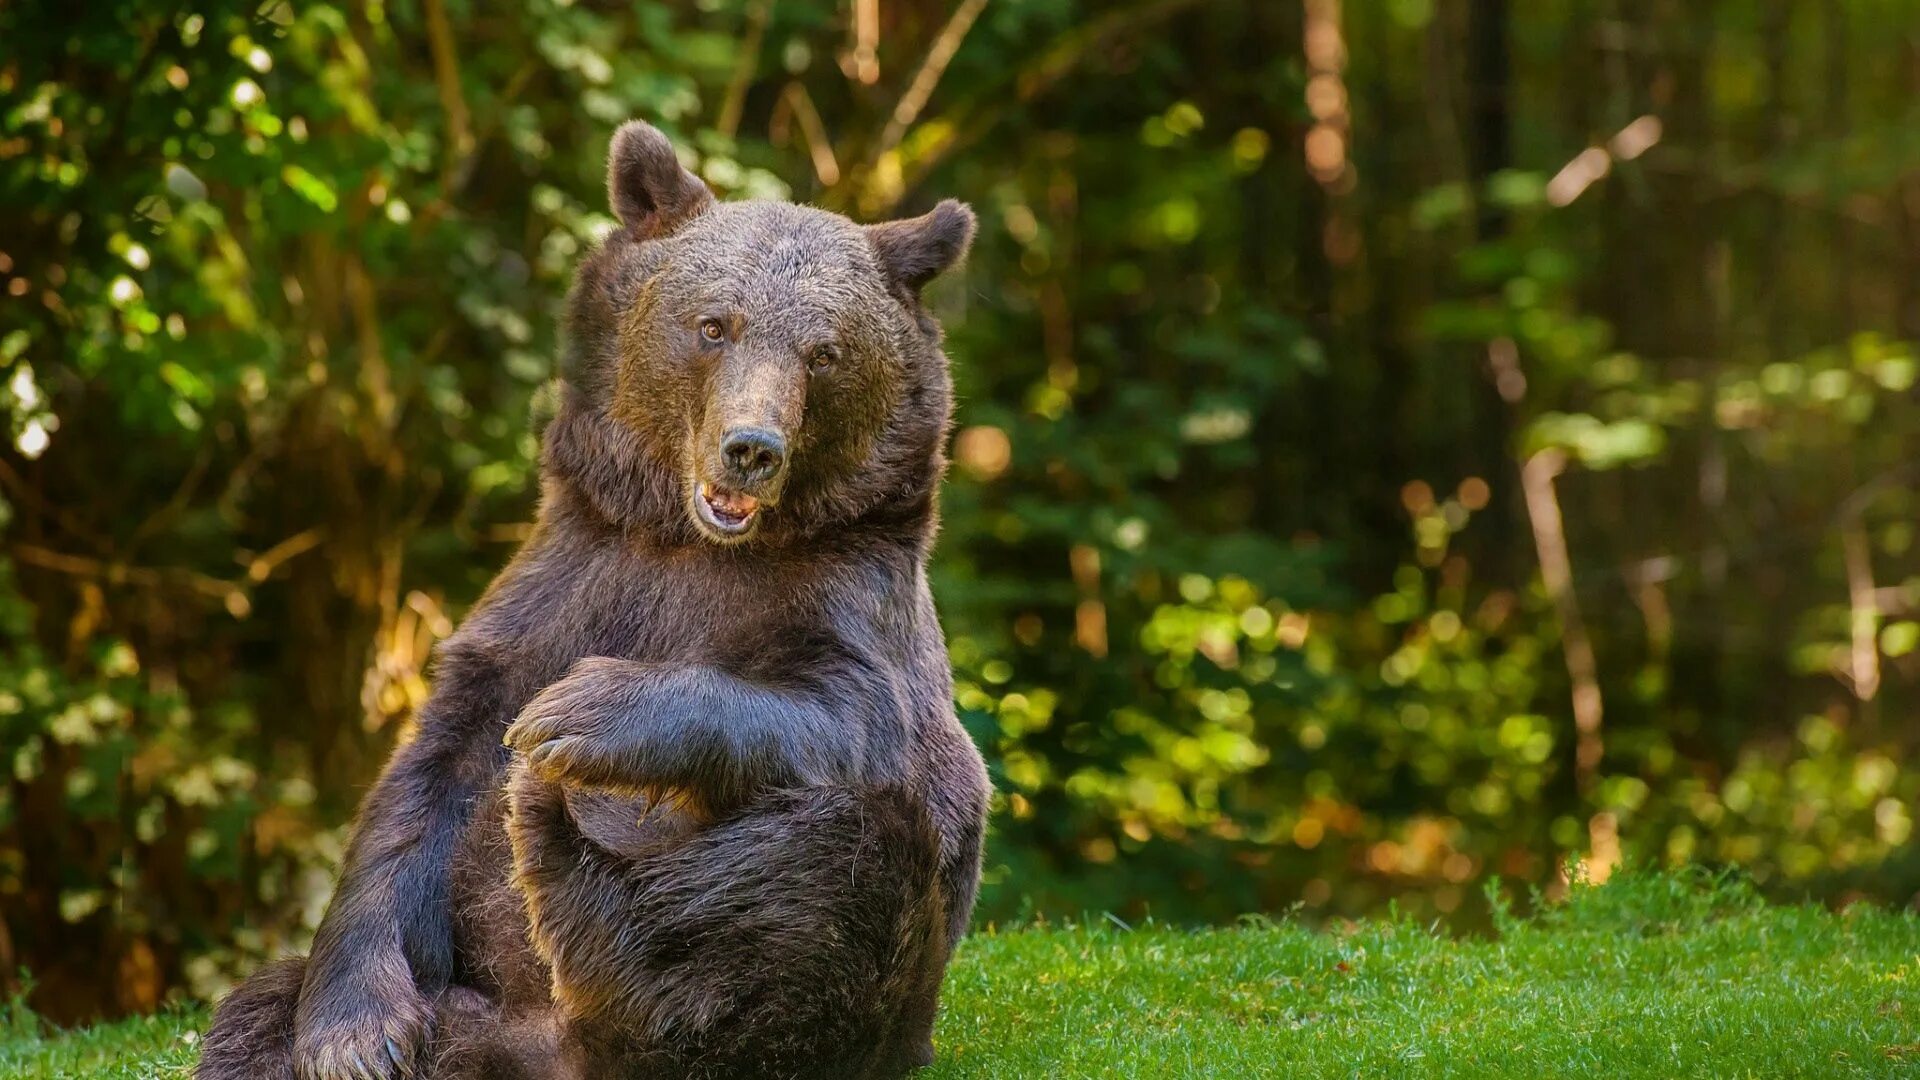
[[740, 832]]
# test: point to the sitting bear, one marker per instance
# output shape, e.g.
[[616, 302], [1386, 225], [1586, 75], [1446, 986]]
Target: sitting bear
[[689, 798]]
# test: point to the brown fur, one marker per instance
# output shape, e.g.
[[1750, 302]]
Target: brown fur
[[744, 832]]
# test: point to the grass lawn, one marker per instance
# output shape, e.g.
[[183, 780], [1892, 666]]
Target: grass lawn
[[1651, 976]]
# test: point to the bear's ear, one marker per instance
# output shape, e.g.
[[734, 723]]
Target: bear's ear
[[649, 190], [914, 251]]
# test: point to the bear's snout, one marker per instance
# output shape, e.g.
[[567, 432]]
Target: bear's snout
[[753, 456], [744, 477]]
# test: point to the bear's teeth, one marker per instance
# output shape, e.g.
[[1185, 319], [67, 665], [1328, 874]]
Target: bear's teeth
[[732, 504]]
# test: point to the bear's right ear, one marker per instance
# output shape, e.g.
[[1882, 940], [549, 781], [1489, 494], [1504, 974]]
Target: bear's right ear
[[649, 190]]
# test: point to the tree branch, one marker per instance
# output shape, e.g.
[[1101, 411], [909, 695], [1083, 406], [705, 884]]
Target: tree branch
[[736, 100], [970, 124], [446, 76], [920, 90]]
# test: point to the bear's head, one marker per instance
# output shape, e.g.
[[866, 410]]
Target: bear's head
[[752, 370]]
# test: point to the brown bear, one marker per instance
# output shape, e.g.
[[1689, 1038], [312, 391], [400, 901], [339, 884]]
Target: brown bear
[[736, 828]]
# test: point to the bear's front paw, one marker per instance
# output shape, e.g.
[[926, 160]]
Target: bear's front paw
[[569, 736], [576, 759], [362, 1037]]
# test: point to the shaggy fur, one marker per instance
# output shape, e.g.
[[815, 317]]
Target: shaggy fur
[[744, 830]]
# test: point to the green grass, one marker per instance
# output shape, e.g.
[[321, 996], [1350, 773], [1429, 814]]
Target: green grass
[[1652, 976]]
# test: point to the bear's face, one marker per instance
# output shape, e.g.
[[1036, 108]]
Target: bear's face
[[771, 361], [768, 354]]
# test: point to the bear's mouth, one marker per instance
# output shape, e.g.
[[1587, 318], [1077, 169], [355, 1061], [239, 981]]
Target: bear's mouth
[[728, 514]]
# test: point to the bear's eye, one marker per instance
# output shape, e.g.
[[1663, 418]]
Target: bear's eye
[[711, 330], [821, 358]]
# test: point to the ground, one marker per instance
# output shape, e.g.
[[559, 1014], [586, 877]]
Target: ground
[[1651, 976]]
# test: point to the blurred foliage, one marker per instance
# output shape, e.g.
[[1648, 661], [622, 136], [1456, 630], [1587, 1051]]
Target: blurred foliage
[[1350, 400]]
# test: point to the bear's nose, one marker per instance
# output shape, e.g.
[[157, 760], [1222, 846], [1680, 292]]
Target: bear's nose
[[754, 455]]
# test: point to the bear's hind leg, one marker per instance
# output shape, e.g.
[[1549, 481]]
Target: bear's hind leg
[[251, 1037], [801, 937], [475, 1039]]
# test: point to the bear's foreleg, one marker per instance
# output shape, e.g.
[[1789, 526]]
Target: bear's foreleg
[[385, 949], [696, 733]]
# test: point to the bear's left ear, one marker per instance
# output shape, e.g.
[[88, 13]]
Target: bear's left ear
[[914, 251], [651, 192]]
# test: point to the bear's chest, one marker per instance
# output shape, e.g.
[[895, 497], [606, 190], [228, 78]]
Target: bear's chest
[[688, 609]]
